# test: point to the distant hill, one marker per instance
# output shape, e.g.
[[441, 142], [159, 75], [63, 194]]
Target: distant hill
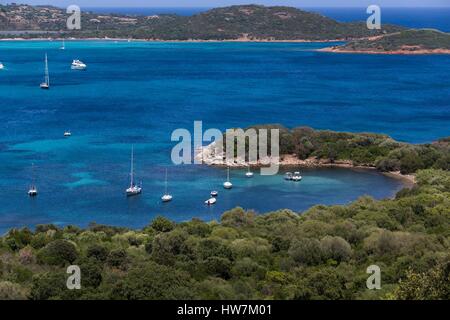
[[248, 22], [407, 42]]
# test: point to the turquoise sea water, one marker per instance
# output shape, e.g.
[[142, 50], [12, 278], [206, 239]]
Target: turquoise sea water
[[138, 93]]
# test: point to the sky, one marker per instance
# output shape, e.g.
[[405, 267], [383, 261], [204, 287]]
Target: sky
[[219, 3]]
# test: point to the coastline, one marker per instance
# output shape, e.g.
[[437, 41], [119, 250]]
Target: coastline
[[178, 41], [395, 52], [207, 156]]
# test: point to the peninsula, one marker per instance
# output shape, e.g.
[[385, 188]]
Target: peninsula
[[306, 147], [423, 41]]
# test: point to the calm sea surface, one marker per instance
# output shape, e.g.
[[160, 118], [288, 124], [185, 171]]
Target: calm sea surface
[[138, 93]]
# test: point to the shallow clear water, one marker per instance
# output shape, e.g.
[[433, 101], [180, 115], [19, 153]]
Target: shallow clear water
[[138, 93]]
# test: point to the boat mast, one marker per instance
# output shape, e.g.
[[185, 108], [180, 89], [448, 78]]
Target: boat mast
[[131, 171], [165, 188], [46, 77], [33, 177], [228, 174]]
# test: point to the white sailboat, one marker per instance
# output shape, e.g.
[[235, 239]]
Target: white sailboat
[[63, 46], [214, 193], [249, 174], [32, 192], [67, 133], [46, 83], [227, 184], [133, 189], [166, 197], [2, 66]]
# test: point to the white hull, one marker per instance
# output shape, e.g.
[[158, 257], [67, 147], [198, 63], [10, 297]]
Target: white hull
[[211, 201], [78, 68], [166, 198], [228, 185], [133, 191]]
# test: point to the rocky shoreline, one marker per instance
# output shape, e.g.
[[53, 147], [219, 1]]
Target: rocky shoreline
[[208, 156], [394, 52]]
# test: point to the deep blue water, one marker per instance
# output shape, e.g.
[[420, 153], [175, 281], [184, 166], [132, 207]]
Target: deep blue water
[[137, 93], [432, 17]]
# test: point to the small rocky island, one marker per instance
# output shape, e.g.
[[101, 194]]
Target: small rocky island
[[423, 41]]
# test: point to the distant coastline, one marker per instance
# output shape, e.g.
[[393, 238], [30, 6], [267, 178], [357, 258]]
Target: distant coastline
[[180, 41], [393, 52]]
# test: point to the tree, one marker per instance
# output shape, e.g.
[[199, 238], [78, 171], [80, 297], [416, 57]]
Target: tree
[[306, 251], [162, 224], [97, 252], [335, 248], [48, 285], [118, 258], [154, 282], [58, 252]]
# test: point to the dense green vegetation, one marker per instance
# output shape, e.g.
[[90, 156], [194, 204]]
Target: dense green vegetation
[[408, 40], [250, 21], [363, 149], [320, 254]]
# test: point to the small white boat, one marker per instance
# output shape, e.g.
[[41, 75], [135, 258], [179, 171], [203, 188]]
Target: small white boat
[[78, 65], [214, 193], [211, 201], [296, 177], [166, 197], [2, 66], [67, 134], [46, 83], [227, 184], [33, 192], [249, 174], [288, 176], [133, 190]]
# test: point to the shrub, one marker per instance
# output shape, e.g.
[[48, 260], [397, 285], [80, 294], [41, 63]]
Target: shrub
[[162, 224], [97, 252], [58, 252], [11, 291]]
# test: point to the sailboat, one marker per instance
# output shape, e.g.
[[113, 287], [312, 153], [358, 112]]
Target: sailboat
[[46, 83], [2, 66], [63, 47], [249, 174], [32, 192], [133, 189], [166, 197], [227, 184]]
